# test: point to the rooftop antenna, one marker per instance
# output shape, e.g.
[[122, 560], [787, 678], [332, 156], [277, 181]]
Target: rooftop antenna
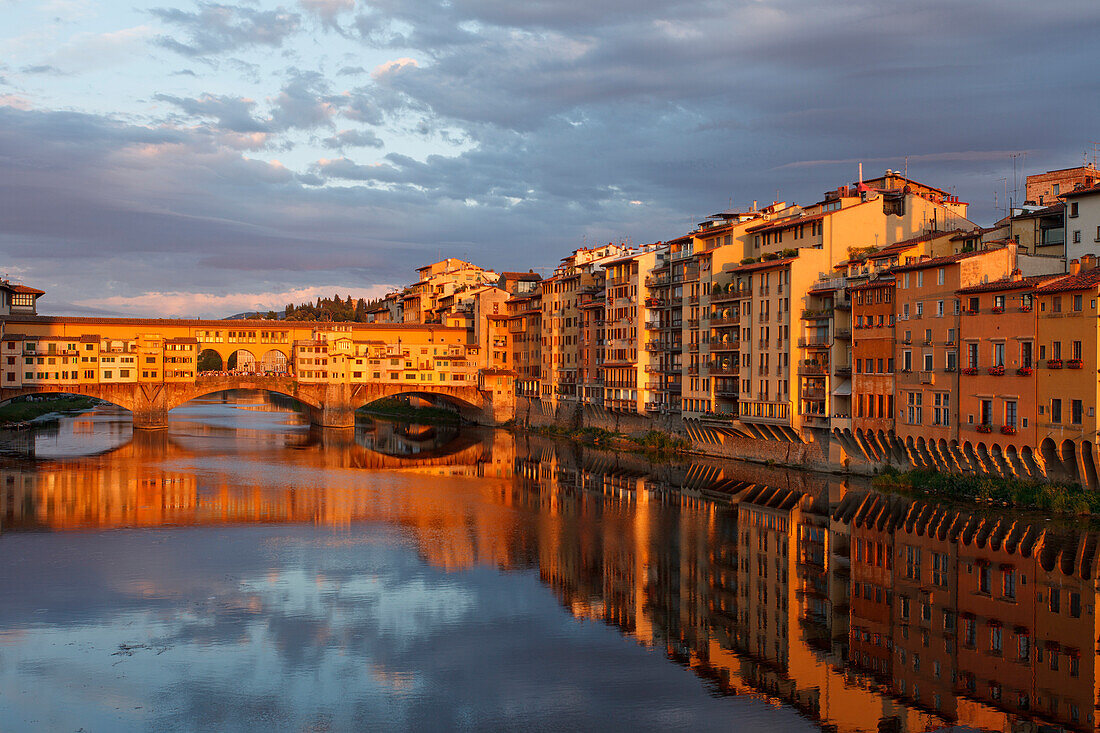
[[1015, 181], [906, 176]]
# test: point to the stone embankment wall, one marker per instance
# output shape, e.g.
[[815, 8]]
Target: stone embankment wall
[[706, 439], [837, 451]]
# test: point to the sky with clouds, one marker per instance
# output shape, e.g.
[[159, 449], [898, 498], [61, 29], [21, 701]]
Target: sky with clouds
[[205, 158]]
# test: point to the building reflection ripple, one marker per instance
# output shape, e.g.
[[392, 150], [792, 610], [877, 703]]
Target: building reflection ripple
[[862, 611]]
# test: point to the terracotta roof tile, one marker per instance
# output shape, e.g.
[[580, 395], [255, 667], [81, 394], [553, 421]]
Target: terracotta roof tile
[[1085, 280], [936, 261], [23, 289], [1009, 284], [1090, 191], [786, 222], [763, 265]]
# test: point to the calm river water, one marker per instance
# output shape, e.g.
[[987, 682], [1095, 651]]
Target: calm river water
[[241, 571]]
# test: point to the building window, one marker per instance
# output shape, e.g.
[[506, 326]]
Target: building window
[[1076, 236], [1010, 413], [1056, 410], [995, 640], [913, 405], [941, 415], [1008, 588], [1075, 411]]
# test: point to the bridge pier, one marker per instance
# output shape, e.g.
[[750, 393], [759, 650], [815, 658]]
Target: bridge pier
[[335, 410], [150, 407]]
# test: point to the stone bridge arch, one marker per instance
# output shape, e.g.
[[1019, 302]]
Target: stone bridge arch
[[242, 360], [331, 405], [275, 361]]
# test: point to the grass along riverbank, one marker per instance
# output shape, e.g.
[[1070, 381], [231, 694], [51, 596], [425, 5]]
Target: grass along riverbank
[[993, 490], [25, 410], [401, 411]]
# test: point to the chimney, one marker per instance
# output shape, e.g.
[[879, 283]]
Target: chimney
[[1017, 275], [1074, 267], [1088, 262]]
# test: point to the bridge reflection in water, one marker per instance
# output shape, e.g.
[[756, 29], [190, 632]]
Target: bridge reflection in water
[[866, 612]]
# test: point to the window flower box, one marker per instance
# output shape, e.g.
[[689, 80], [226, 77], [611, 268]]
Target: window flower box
[[1074, 364], [983, 428], [1008, 430], [970, 371], [1025, 308], [1054, 363], [1025, 371], [997, 371], [997, 310]]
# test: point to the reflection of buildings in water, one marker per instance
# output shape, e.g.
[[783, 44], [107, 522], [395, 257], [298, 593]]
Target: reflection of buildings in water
[[130, 486], [988, 618], [879, 615]]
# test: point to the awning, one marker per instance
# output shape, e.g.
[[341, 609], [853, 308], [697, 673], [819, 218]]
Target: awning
[[844, 389]]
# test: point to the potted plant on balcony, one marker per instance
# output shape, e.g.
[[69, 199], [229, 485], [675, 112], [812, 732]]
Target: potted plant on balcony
[[1008, 429], [970, 371], [1074, 364], [997, 371], [984, 428], [1054, 363], [1025, 371], [997, 310]]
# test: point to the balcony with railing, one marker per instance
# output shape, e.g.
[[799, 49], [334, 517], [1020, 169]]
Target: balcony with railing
[[730, 345], [723, 369], [729, 293], [813, 393], [811, 367], [814, 342]]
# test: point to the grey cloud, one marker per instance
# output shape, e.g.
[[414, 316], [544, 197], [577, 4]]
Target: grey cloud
[[231, 113], [304, 103], [327, 10], [41, 69], [351, 70], [354, 139], [215, 28], [563, 114]]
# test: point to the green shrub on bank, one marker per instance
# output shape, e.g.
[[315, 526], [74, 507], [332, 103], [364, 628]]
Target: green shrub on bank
[[397, 408], [28, 410], [983, 489], [663, 442]]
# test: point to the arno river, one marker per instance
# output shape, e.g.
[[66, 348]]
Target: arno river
[[244, 572]]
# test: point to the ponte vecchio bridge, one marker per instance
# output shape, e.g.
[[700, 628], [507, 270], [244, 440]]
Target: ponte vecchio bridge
[[150, 366]]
